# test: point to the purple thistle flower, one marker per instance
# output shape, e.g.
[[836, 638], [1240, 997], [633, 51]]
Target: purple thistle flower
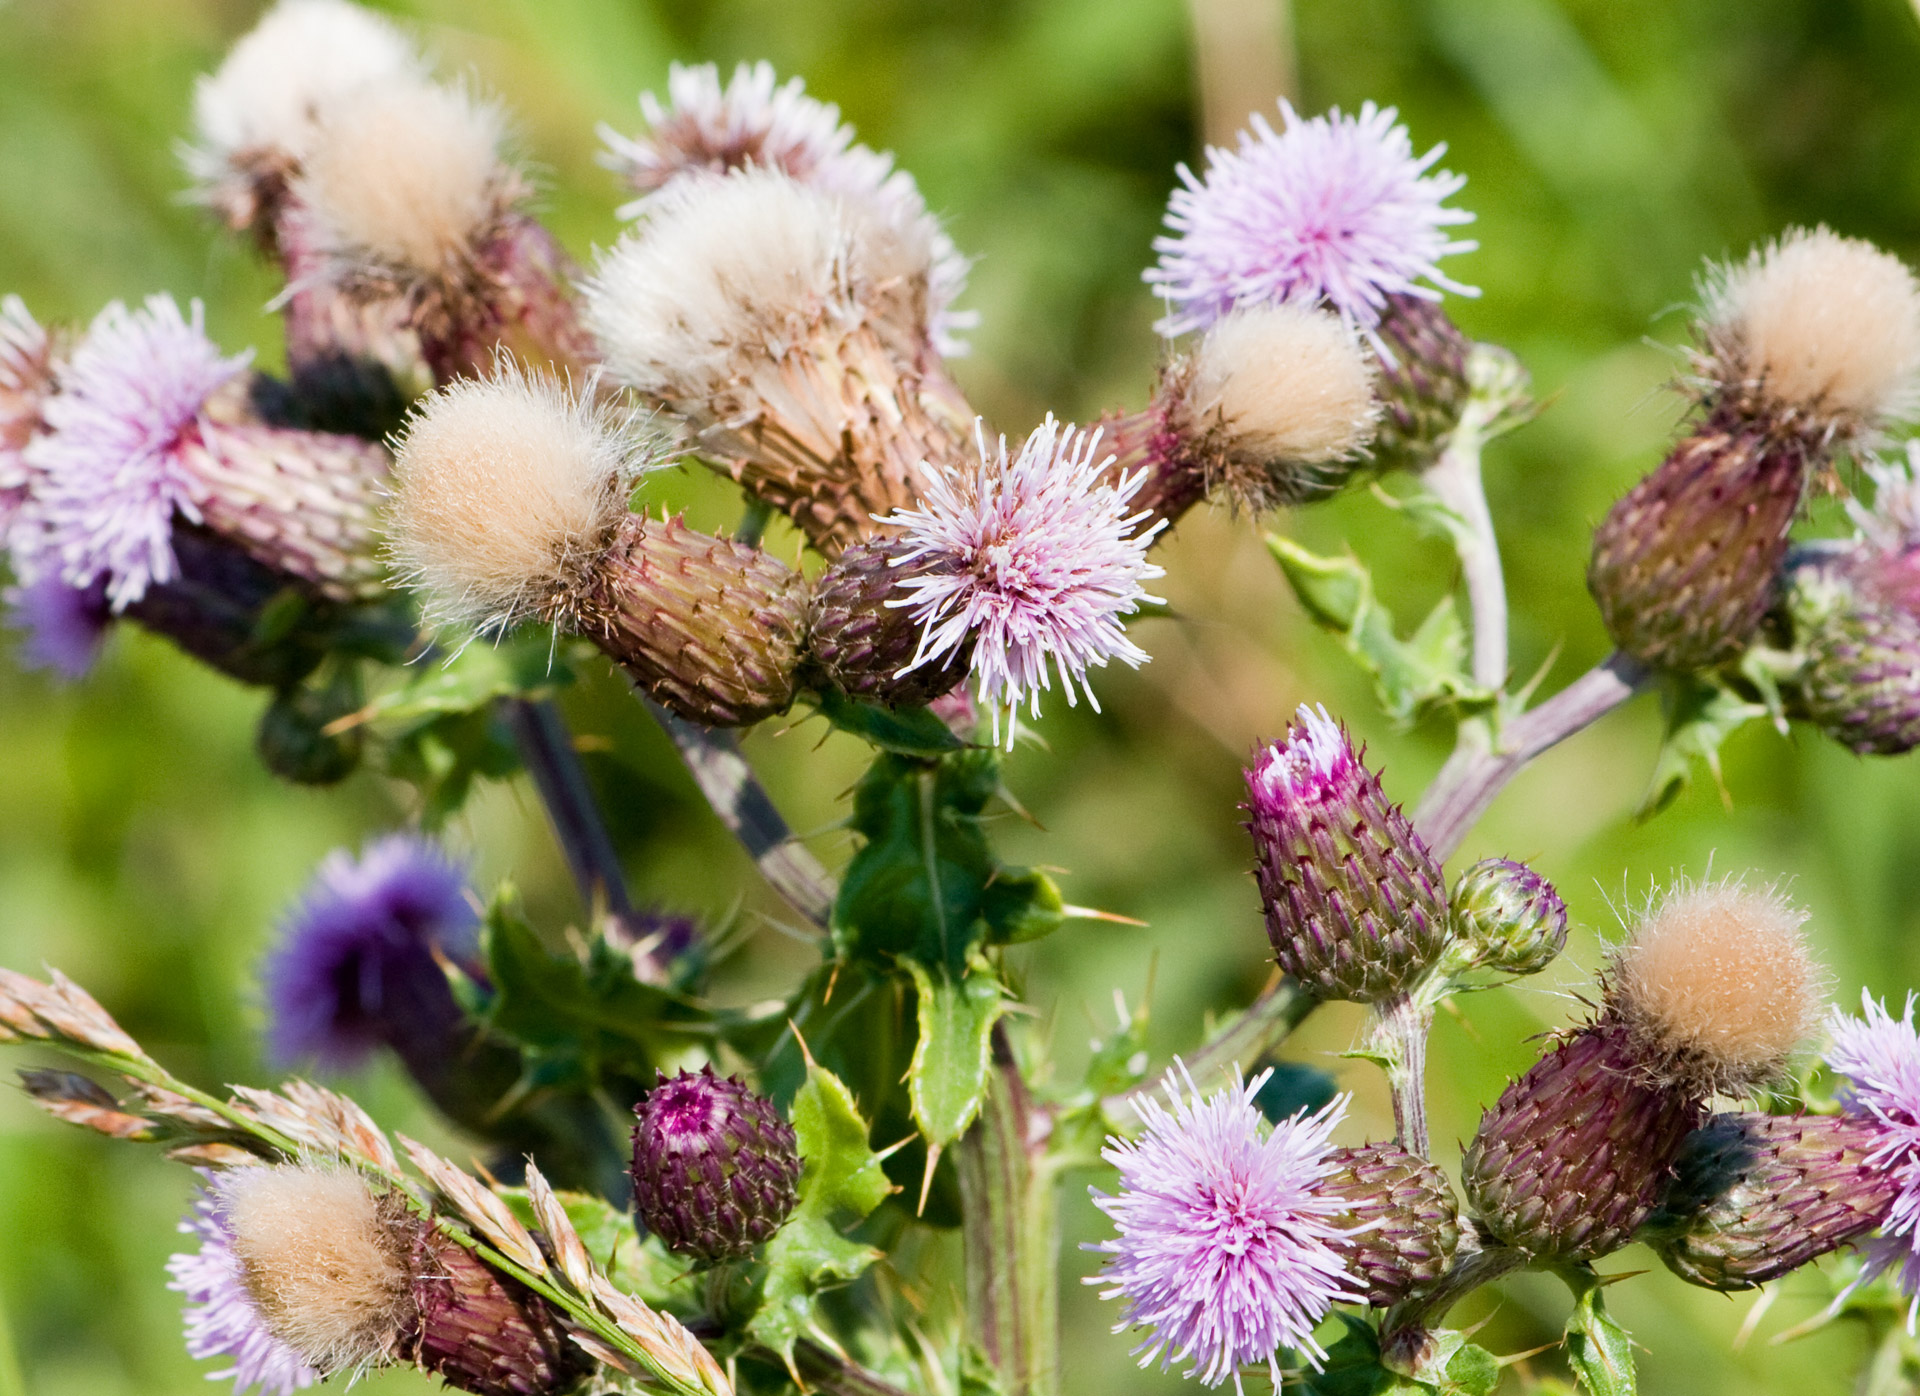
[[755, 121], [1334, 208], [63, 625], [1226, 1236], [1881, 1057], [221, 1320], [1035, 559], [109, 470], [359, 960]]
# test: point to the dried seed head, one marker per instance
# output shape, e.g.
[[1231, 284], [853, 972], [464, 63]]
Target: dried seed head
[[406, 176], [739, 267], [1716, 988], [1289, 391], [508, 494], [256, 117], [1818, 327], [326, 1263]]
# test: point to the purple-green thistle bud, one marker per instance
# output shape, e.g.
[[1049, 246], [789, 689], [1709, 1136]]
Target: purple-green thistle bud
[[1355, 904], [483, 1332], [860, 644], [1758, 1196], [1424, 387], [1811, 341], [1854, 620], [1401, 1224], [1578, 1152], [1507, 917], [716, 1170]]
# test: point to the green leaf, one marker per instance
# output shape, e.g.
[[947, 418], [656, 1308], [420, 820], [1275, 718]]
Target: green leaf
[[904, 731], [1701, 714], [842, 1181], [443, 756], [948, 1076], [1411, 677], [1598, 1349], [524, 662]]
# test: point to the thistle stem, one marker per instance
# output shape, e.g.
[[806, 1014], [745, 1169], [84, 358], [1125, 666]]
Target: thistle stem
[[1241, 1042], [547, 751], [1482, 763], [1454, 479], [714, 761], [828, 1371], [1404, 1330], [1400, 1036], [1010, 1233]]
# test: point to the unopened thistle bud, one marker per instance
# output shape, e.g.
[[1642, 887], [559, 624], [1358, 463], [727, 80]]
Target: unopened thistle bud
[[862, 644], [1275, 407], [410, 202], [1355, 904], [1334, 210], [1813, 341], [1401, 1222], [715, 1168], [1756, 1197], [512, 506], [1852, 617], [705, 129], [1712, 993], [1506, 917], [787, 328], [349, 1280]]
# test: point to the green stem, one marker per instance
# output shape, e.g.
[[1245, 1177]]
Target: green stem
[[1239, 1043], [827, 1371], [1454, 479], [1404, 1331], [1400, 1038], [1011, 1235]]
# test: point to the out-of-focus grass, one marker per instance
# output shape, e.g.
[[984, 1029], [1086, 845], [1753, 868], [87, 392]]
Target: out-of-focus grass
[[1610, 146]]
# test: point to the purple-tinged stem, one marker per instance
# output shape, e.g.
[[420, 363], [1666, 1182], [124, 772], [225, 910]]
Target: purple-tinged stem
[[1480, 768], [828, 1371], [1240, 1042], [1404, 1331], [1401, 1029], [547, 751], [714, 761]]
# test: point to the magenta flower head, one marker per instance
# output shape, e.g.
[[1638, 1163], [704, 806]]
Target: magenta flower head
[[221, 1320], [1356, 905], [359, 963], [1034, 559], [110, 467], [1334, 208], [62, 626], [1227, 1233], [1880, 1055]]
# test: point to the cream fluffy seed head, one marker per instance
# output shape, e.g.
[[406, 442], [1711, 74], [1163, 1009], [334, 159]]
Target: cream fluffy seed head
[[406, 175], [1821, 324], [1717, 987], [325, 1263], [747, 264], [1286, 382], [507, 493]]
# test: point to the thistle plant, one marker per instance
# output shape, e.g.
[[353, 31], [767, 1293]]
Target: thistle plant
[[452, 507]]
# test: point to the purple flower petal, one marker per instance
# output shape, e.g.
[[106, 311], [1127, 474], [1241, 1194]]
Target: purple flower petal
[[1881, 1057], [63, 625], [221, 1320]]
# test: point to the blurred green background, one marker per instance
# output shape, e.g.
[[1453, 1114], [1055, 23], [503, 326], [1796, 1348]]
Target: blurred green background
[[1610, 145]]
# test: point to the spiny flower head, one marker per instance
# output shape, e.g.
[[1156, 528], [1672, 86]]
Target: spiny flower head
[[1036, 561], [1880, 1055], [1226, 1249], [1334, 208], [221, 1320], [364, 948], [109, 467], [754, 120]]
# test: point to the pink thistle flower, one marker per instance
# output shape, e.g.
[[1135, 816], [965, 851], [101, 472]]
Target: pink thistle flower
[[1334, 208], [1225, 1249], [109, 471], [1034, 558], [221, 1320], [705, 128], [1880, 1055]]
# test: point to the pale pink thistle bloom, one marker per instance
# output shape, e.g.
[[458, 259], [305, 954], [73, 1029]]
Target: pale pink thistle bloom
[[110, 477], [1880, 1055], [1032, 556], [1225, 1251], [220, 1317], [755, 121], [1335, 209]]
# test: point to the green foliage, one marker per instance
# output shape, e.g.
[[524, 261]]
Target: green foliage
[[1701, 713], [841, 1184], [1451, 1366], [948, 1077], [902, 731], [1598, 1349]]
